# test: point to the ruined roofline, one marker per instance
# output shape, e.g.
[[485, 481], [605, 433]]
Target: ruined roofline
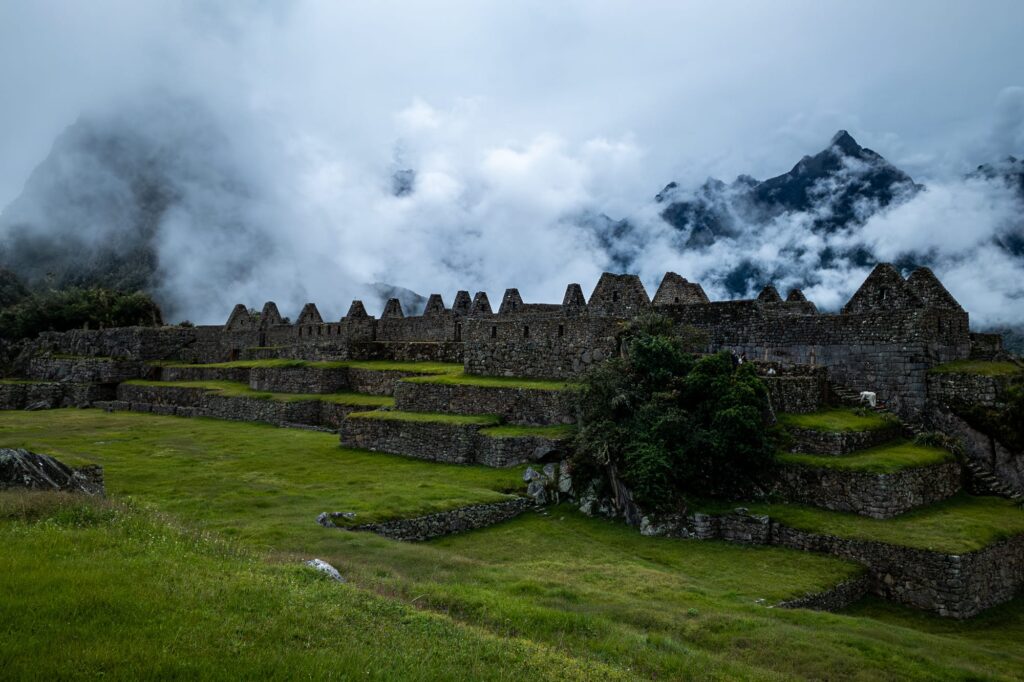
[[623, 295]]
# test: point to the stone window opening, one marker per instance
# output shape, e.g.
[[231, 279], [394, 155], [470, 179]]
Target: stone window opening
[[494, 332], [561, 330], [615, 297], [526, 331], [675, 300]]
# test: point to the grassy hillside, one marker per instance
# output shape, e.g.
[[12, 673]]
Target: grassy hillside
[[575, 596]]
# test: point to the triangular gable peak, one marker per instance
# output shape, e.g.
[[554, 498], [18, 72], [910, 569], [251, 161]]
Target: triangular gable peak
[[510, 302], [356, 311], [573, 302], [769, 295], [309, 315], [481, 304], [392, 309], [270, 315], [435, 305], [239, 319], [927, 287], [618, 296], [795, 296], [884, 289], [462, 303], [676, 290]]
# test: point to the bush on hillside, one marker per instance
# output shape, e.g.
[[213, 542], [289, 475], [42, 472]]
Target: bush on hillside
[[74, 308], [669, 425]]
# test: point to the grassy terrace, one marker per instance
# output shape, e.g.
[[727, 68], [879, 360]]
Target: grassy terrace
[[125, 596], [988, 368], [25, 381], [513, 431], [213, 471], [958, 525], [375, 365], [463, 379], [564, 596], [235, 389], [837, 419], [883, 459], [431, 417]]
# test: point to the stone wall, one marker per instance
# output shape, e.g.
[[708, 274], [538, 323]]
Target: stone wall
[[86, 369], [837, 443], [961, 388], [460, 520], [436, 441], [951, 585], [879, 496], [200, 373], [836, 598], [509, 451], [796, 393], [515, 405], [1007, 466], [18, 396], [298, 379]]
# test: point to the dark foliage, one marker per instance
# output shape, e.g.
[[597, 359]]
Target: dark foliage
[[12, 290], [1005, 423], [670, 425], [74, 308]]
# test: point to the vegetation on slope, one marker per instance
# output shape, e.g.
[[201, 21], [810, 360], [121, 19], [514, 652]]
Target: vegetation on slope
[[236, 389], [883, 459], [590, 589], [74, 308], [988, 368], [667, 424], [126, 596], [839, 419], [463, 379]]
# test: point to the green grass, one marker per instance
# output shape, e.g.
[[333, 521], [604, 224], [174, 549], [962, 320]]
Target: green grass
[[557, 431], [375, 365], [68, 356], [988, 368], [587, 591], [214, 472], [463, 379], [432, 417], [236, 389], [837, 419], [125, 596], [958, 525], [883, 459]]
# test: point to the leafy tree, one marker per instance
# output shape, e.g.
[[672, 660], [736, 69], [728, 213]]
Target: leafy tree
[[75, 308], [659, 424], [12, 290]]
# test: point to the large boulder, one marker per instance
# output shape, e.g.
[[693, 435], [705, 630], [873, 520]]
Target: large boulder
[[24, 469]]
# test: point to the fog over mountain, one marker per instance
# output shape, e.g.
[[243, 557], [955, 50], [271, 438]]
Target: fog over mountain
[[299, 151]]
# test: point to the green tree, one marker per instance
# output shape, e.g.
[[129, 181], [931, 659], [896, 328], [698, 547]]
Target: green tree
[[659, 424], [74, 308]]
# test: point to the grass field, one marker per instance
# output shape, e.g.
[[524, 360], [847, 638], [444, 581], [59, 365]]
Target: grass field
[[463, 379], [555, 595], [883, 459], [376, 365], [989, 368], [841, 419], [236, 389]]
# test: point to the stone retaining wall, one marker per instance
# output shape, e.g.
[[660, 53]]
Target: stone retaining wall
[[198, 402], [838, 443], [796, 393], [298, 379], [951, 585], [459, 520], [510, 451], [437, 441], [515, 405], [879, 496], [376, 382], [967, 389], [86, 370], [200, 373], [836, 598], [21, 395]]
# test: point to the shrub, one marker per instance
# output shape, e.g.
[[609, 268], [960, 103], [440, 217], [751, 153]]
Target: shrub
[[668, 425]]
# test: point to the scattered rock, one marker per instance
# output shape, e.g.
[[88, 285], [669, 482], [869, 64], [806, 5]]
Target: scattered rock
[[326, 519], [537, 492], [38, 405], [325, 568], [24, 469]]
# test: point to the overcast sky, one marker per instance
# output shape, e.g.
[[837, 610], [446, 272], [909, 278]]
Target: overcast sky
[[579, 99]]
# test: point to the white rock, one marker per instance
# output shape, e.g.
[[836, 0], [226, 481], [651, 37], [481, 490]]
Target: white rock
[[325, 568]]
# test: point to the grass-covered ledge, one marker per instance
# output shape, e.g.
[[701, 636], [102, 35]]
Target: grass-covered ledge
[[235, 389], [839, 420], [371, 365], [429, 417], [463, 379], [555, 432], [883, 459], [988, 368]]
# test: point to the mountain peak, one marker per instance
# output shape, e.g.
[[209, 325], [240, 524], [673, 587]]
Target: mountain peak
[[845, 142]]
